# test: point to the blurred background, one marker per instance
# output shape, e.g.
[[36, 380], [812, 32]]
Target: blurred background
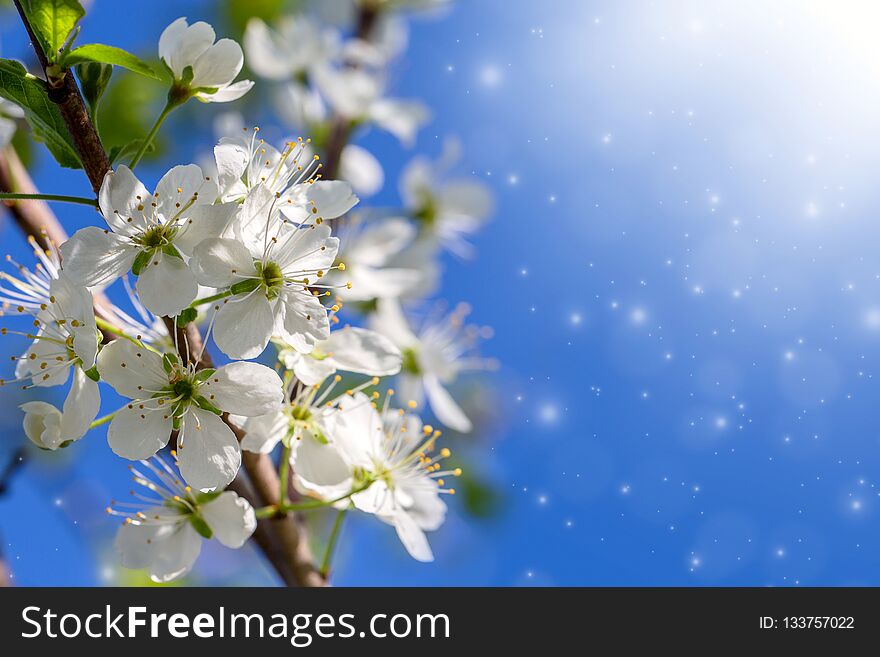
[[681, 273]]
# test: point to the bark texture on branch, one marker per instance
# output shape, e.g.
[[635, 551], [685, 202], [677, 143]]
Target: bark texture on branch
[[298, 564], [65, 94]]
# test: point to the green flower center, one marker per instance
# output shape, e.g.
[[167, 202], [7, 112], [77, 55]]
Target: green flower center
[[427, 212], [185, 389], [410, 363], [154, 237], [301, 413], [271, 278]]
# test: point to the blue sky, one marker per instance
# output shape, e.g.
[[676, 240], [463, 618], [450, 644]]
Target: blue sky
[[682, 279]]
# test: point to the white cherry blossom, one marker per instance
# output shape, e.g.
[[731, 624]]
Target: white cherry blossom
[[295, 45], [64, 333], [167, 394], [49, 428], [350, 349], [432, 358], [450, 209], [150, 235], [245, 162], [164, 528], [384, 459], [368, 249], [202, 68], [271, 274]]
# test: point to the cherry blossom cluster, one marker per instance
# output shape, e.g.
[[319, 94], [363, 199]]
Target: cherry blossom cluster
[[263, 252]]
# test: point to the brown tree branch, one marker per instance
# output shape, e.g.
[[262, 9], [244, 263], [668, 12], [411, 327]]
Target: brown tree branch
[[295, 551], [340, 130], [65, 94]]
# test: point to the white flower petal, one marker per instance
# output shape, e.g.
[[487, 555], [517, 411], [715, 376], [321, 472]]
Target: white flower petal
[[349, 91], [132, 371], [402, 118], [208, 453], [412, 537], [42, 424], [332, 198], [136, 433], [361, 169], [264, 51], [368, 283], [357, 430], [166, 285], [226, 94], [264, 432], [320, 468], [444, 406], [218, 65], [203, 222], [258, 215], [466, 197], [75, 304], [247, 389], [124, 201], [221, 262], [80, 407], [183, 186], [232, 158], [231, 518], [305, 249], [138, 544], [379, 240], [181, 44], [426, 508], [243, 325], [390, 321], [304, 321], [312, 371], [178, 554], [93, 256], [40, 362], [363, 351]]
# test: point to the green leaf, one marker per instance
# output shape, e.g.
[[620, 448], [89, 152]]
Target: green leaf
[[205, 374], [29, 93], [186, 316], [169, 361], [140, 261], [201, 526], [171, 251], [52, 21], [93, 374], [93, 80], [98, 52], [205, 405]]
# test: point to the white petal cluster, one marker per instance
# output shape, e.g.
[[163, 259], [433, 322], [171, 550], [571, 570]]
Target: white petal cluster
[[207, 69], [164, 529], [264, 251]]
